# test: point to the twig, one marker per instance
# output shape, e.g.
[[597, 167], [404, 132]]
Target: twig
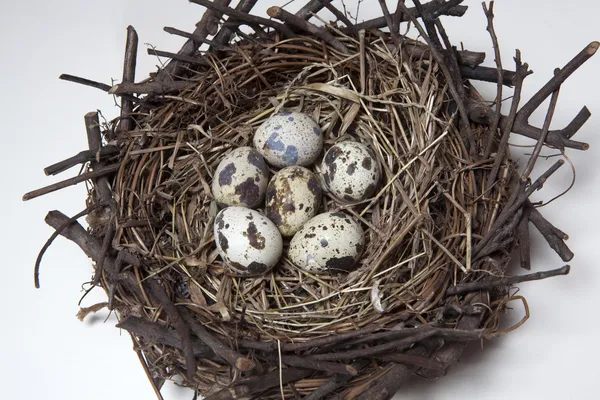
[[57, 232], [151, 87], [94, 136], [380, 22], [389, 19], [522, 72], [486, 74], [336, 382], [224, 35], [554, 236], [312, 7], [257, 384], [412, 360], [245, 17], [523, 239], [80, 158], [306, 362], [489, 13], [507, 281], [540, 143], [235, 359], [177, 57], [196, 38], [321, 33], [129, 64], [86, 82], [338, 14], [152, 332], [70, 182]]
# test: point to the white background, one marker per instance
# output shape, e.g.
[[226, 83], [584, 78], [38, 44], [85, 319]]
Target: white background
[[46, 352]]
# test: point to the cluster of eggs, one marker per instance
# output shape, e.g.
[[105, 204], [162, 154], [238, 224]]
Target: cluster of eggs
[[251, 242]]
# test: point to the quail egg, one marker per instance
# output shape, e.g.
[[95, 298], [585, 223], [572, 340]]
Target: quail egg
[[293, 197], [329, 242], [241, 178], [350, 171], [248, 242], [289, 138]]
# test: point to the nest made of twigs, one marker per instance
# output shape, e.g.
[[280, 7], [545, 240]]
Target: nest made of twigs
[[439, 231]]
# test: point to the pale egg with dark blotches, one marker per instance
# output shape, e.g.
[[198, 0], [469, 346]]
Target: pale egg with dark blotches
[[350, 171], [289, 138], [247, 241], [293, 197], [329, 242], [241, 178]]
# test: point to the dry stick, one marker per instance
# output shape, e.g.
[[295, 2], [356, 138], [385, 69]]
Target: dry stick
[[489, 13], [188, 49], [454, 87], [522, 72], [444, 333], [336, 382], [306, 362], [487, 74], [540, 143], [397, 345], [94, 136], [224, 35], [129, 64], [57, 232], [70, 182], [234, 358], [416, 361], [80, 158], [507, 281], [152, 332], [388, 385], [389, 19], [380, 22], [397, 17], [92, 248], [249, 18], [196, 38], [328, 340], [156, 381], [321, 33], [554, 236], [177, 57], [86, 82], [523, 240], [310, 8], [151, 87], [554, 83], [466, 58], [250, 387], [338, 14]]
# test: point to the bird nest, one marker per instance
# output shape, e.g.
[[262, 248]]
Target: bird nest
[[440, 229]]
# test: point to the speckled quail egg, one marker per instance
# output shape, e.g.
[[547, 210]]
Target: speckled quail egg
[[329, 242], [350, 171], [289, 138], [293, 197], [248, 242], [241, 178]]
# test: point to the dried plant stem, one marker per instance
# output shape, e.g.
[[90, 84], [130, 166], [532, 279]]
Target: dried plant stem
[[80, 158]]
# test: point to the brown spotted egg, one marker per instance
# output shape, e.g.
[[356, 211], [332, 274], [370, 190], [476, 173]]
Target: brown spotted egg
[[350, 171], [248, 242], [329, 242], [293, 197], [289, 138], [241, 178]]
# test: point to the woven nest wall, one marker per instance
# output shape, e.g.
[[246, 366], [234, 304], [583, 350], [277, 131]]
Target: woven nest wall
[[440, 228]]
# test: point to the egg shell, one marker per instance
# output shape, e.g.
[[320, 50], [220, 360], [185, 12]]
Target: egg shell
[[329, 242], [248, 242], [350, 171], [241, 178], [289, 138], [293, 197]]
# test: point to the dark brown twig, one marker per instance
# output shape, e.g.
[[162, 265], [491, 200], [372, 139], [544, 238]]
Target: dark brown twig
[[235, 359], [321, 33], [224, 35], [507, 281], [489, 13], [389, 19], [306, 362], [86, 82], [249, 18], [487, 74], [177, 57], [196, 38], [312, 7], [80, 158], [554, 236], [129, 64], [71, 181], [524, 240], [151, 87], [338, 14], [380, 22], [336, 382]]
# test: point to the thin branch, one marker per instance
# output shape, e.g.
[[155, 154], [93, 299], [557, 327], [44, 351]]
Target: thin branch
[[487, 74], [83, 81], [523, 240], [338, 14], [196, 38], [554, 236], [129, 64], [80, 158], [310, 8], [177, 57], [151, 87], [291, 19], [507, 281], [224, 35]]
